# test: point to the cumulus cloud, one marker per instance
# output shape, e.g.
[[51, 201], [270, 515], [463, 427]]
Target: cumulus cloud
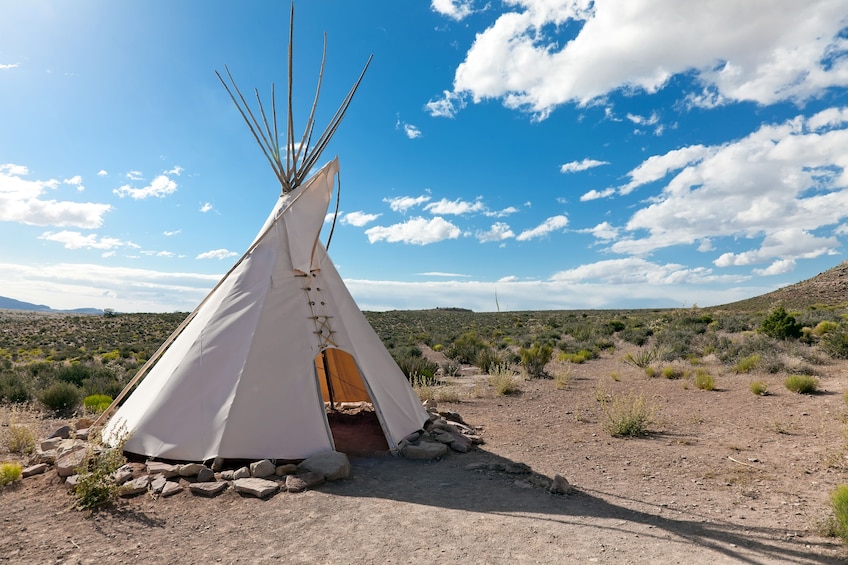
[[75, 181], [603, 231], [135, 175], [764, 51], [217, 254], [403, 203], [446, 275], [359, 219], [456, 207], [787, 176], [453, 9], [23, 201], [498, 232], [206, 207], [172, 233], [577, 166], [418, 231], [102, 173], [508, 211], [552, 224], [635, 270], [8, 66], [161, 187], [411, 131], [76, 240], [447, 106]]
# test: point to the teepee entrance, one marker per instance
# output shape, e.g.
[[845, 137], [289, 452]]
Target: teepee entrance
[[354, 422]]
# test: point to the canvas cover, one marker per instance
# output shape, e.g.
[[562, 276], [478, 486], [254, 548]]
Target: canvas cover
[[246, 379]]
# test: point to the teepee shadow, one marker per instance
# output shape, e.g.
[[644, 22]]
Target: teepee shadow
[[483, 482]]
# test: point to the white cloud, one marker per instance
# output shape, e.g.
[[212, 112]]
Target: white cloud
[[76, 240], [779, 267], [644, 121], [553, 223], [172, 233], [75, 181], [22, 201], [403, 203], [603, 231], [160, 187], [411, 131], [456, 207], [7, 66], [359, 219], [206, 207], [508, 211], [498, 232], [217, 254], [596, 194], [634, 270], [102, 173], [764, 51], [508, 279], [134, 175], [175, 171], [441, 274], [418, 231], [453, 9], [794, 243], [788, 176], [447, 106], [577, 166]]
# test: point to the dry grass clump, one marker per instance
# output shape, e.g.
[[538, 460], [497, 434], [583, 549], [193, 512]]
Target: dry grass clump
[[19, 436], [760, 388], [504, 380], [802, 384], [626, 416], [703, 380], [9, 473]]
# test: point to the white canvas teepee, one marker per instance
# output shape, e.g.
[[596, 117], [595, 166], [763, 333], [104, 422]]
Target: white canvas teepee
[[247, 376]]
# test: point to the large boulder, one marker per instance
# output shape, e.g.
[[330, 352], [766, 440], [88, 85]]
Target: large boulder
[[68, 463], [262, 469], [426, 451], [334, 465]]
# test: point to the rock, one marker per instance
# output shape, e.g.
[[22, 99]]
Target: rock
[[50, 444], [48, 457], [62, 433], [477, 467], [333, 465], [303, 480], [259, 488], [442, 436], [171, 488], [205, 475], [72, 481], [217, 464], [122, 474], [561, 486], [165, 469], [412, 438], [134, 487], [67, 445], [517, 468], [207, 489], [430, 404], [286, 469], [67, 464], [157, 484], [460, 443], [227, 475], [261, 469], [452, 416], [241, 473], [190, 469], [36, 469], [81, 434], [83, 423], [425, 451]]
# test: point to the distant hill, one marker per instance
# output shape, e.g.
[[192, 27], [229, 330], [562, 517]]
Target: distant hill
[[12, 304], [827, 288]]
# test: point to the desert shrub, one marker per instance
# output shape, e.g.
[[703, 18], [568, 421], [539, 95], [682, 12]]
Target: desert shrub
[[580, 357], [747, 364], [771, 362], [9, 473], [760, 388], [626, 416], [104, 385], [636, 335], [645, 356], [615, 326], [13, 389], [673, 372], [650, 372], [781, 325], [96, 402], [534, 359], [488, 358], [802, 384], [562, 379], [96, 485], [504, 380], [703, 380], [60, 396], [465, 348], [824, 327], [835, 343], [438, 347], [19, 438], [75, 373], [839, 504]]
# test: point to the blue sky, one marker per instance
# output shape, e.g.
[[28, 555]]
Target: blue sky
[[527, 154]]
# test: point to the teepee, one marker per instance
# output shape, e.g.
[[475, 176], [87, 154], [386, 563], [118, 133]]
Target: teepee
[[250, 372]]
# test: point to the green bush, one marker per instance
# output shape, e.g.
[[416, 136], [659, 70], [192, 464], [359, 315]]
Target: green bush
[[75, 373], [781, 325], [95, 477], [672, 372], [13, 389], [9, 473], [760, 388], [703, 380], [97, 402], [465, 348], [487, 359], [802, 384], [60, 396], [835, 343], [747, 364], [535, 358], [839, 504]]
